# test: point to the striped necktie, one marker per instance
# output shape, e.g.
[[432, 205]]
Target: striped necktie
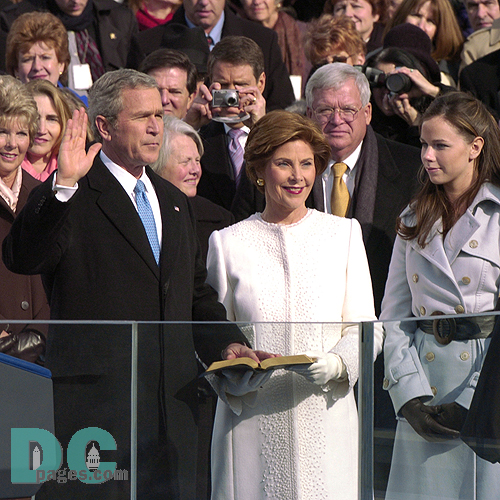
[[236, 152]]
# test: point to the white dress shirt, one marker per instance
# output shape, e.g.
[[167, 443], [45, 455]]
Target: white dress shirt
[[349, 177]]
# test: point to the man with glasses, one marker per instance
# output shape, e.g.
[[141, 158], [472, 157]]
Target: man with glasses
[[380, 175], [379, 179]]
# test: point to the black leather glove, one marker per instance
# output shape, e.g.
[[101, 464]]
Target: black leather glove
[[424, 421], [28, 345], [451, 415]]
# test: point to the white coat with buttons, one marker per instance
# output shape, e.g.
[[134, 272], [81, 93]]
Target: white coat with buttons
[[460, 274]]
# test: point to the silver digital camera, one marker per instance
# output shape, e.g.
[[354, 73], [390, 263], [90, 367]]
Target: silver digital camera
[[225, 98]]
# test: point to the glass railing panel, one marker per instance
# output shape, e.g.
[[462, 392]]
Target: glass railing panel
[[138, 383], [433, 372], [85, 389]]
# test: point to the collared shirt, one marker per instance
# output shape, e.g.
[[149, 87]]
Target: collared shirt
[[11, 195], [128, 182], [243, 138], [215, 32], [349, 177]]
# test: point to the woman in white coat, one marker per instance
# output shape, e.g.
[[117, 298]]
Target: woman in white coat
[[280, 270], [446, 260]]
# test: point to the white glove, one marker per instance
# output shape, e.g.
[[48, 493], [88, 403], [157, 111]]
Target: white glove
[[239, 383], [328, 367]]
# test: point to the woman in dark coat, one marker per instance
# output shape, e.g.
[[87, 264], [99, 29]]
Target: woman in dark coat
[[179, 163], [21, 297]]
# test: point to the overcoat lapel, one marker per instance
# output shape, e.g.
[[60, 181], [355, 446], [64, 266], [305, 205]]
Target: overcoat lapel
[[170, 217], [117, 207]]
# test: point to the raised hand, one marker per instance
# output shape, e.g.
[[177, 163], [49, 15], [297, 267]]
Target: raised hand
[[253, 103], [73, 162], [200, 113]]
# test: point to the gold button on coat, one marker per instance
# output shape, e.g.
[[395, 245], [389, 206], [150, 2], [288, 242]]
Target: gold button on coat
[[464, 356], [422, 311], [473, 243], [466, 280], [434, 390], [459, 309], [430, 356], [415, 278], [385, 385]]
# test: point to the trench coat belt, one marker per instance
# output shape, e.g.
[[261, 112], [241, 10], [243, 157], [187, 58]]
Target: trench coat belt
[[447, 329]]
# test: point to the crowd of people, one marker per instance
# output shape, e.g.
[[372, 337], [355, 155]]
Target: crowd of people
[[174, 162]]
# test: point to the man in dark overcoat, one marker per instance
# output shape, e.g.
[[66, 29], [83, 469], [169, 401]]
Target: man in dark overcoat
[[83, 231]]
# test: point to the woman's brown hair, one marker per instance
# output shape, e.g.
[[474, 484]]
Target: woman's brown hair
[[448, 40], [33, 27], [470, 118], [277, 128]]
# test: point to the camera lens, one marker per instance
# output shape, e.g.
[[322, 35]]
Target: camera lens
[[231, 100], [398, 83]]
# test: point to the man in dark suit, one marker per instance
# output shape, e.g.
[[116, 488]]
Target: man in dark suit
[[236, 63], [381, 178], [482, 79], [83, 230], [219, 21], [176, 77]]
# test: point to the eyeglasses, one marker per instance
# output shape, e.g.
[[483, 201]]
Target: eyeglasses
[[348, 114]]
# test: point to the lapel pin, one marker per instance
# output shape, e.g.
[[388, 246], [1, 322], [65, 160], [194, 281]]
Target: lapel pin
[[112, 36], [176, 209]]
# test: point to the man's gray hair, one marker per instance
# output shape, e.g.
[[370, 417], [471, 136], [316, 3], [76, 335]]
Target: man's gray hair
[[173, 127], [105, 96], [333, 76]]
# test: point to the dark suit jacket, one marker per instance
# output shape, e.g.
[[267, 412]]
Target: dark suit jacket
[[115, 26], [97, 264], [393, 168], [21, 297], [209, 218], [217, 183], [482, 79], [278, 92]]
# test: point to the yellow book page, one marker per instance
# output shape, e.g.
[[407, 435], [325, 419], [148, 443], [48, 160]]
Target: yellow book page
[[267, 364]]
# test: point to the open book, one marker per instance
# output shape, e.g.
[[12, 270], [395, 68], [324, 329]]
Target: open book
[[267, 364]]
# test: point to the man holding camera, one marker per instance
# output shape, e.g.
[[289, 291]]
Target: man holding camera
[[231, 106]]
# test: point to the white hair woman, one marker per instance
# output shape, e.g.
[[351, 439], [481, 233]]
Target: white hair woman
[[179, 163]]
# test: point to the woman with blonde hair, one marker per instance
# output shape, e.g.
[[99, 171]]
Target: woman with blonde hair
[[21, 297], [54, 112]]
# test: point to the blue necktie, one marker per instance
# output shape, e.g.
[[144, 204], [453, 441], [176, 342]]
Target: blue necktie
[[147, 217]]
